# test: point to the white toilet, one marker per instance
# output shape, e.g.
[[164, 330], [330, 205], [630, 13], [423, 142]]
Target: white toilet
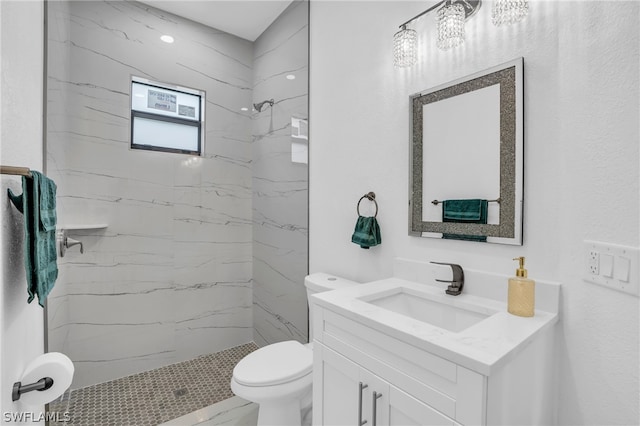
[[278, 377]]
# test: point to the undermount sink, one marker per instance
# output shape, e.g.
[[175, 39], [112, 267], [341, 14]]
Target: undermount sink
[[436, 310]]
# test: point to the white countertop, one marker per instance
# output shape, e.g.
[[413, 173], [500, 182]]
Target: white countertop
[[483, 347]]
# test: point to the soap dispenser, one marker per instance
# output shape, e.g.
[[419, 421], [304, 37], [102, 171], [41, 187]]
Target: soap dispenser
[[522, 293]]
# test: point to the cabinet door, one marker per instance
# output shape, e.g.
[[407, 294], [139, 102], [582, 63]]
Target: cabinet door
[[405, 410], [335, 388], [375, 399], [344, 392]]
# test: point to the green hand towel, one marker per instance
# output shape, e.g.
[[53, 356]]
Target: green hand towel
[[38, 205], [469, 211], [465, 211], [367, 232]]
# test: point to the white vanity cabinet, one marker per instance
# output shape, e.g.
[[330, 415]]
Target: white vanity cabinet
[[353, 363], [349, 391]]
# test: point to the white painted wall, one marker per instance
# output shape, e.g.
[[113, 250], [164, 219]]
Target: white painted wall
[[21, 70], [581, 165]]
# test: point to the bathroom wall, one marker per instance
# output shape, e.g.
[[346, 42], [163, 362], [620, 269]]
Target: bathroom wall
[[280, 187], [170, 277], [581, 165], [21, 70]]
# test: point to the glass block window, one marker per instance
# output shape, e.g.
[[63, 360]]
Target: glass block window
[[166, 118]]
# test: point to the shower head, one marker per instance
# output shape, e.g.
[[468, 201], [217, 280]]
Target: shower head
[[259, 106]]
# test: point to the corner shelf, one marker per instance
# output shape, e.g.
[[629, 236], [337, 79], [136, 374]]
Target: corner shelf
[[77, 227]]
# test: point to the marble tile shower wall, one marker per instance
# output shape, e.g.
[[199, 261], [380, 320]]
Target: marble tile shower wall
[[170, 278], [280, 187]]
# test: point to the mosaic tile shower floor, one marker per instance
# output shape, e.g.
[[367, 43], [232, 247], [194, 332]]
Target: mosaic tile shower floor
[[156, 396]]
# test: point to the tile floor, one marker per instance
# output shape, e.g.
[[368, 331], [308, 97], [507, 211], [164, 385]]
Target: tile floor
[[233, 411], [157, 396]]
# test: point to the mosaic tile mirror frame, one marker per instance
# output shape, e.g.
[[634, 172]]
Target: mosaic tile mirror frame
[[467, 142]]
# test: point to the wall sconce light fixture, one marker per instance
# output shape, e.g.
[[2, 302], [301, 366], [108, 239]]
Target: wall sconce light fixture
[[452, 15], [508, 11], [405, 47], [451, 19]]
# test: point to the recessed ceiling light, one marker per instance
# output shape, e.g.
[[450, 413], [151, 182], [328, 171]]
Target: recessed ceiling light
[[167, 38], [244, 109], [291, 77]]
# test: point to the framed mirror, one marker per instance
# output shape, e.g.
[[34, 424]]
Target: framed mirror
[[466, 165]]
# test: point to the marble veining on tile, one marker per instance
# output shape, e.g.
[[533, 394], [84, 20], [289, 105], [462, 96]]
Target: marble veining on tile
[[280, 187], [170, 278]]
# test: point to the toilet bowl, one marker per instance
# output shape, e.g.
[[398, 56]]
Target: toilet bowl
[[279, 376]]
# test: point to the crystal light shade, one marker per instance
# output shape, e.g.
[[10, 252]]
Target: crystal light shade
[[450, 26], [405, 52], [508, 11]]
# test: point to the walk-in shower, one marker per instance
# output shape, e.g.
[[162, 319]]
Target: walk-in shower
[[191, 253]]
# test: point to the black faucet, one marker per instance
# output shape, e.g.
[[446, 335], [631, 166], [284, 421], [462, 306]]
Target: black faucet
[[456, 285]]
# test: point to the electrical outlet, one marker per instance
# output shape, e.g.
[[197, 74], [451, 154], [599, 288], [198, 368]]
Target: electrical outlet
[[612, 265], [593, 262]]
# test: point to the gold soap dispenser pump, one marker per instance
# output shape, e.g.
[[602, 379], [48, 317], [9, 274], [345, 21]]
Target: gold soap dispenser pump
[[522, 294]]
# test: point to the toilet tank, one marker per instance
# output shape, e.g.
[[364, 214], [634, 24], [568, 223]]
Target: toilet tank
[[319, 282]]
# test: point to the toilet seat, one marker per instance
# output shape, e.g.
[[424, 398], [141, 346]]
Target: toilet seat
[[274, 364]]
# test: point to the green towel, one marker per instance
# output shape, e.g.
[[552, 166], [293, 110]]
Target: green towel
[[367, 232], [469, 211], [38, 205], [465, 211]]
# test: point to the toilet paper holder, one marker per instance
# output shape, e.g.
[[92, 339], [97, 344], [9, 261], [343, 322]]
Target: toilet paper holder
[[42, 384]]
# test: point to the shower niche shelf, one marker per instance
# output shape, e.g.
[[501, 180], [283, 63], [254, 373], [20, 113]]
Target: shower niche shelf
[[82, 227]]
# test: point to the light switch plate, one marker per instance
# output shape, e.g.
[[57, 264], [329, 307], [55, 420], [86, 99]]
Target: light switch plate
[[612, 265], [622, 268], [606, 265]]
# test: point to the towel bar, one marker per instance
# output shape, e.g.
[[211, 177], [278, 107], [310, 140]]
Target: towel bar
[[497, 200], [371, 196], [11, 170]]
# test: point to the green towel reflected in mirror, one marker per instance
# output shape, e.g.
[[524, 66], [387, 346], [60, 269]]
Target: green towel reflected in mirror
[[465, 211]]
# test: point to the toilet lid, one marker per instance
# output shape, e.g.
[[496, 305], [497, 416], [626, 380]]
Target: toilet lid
[[274, 364]]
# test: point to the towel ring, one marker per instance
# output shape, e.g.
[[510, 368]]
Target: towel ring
[[371, 196]]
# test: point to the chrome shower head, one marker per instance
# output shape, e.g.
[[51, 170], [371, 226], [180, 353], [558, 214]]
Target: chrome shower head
[[258, 106]]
